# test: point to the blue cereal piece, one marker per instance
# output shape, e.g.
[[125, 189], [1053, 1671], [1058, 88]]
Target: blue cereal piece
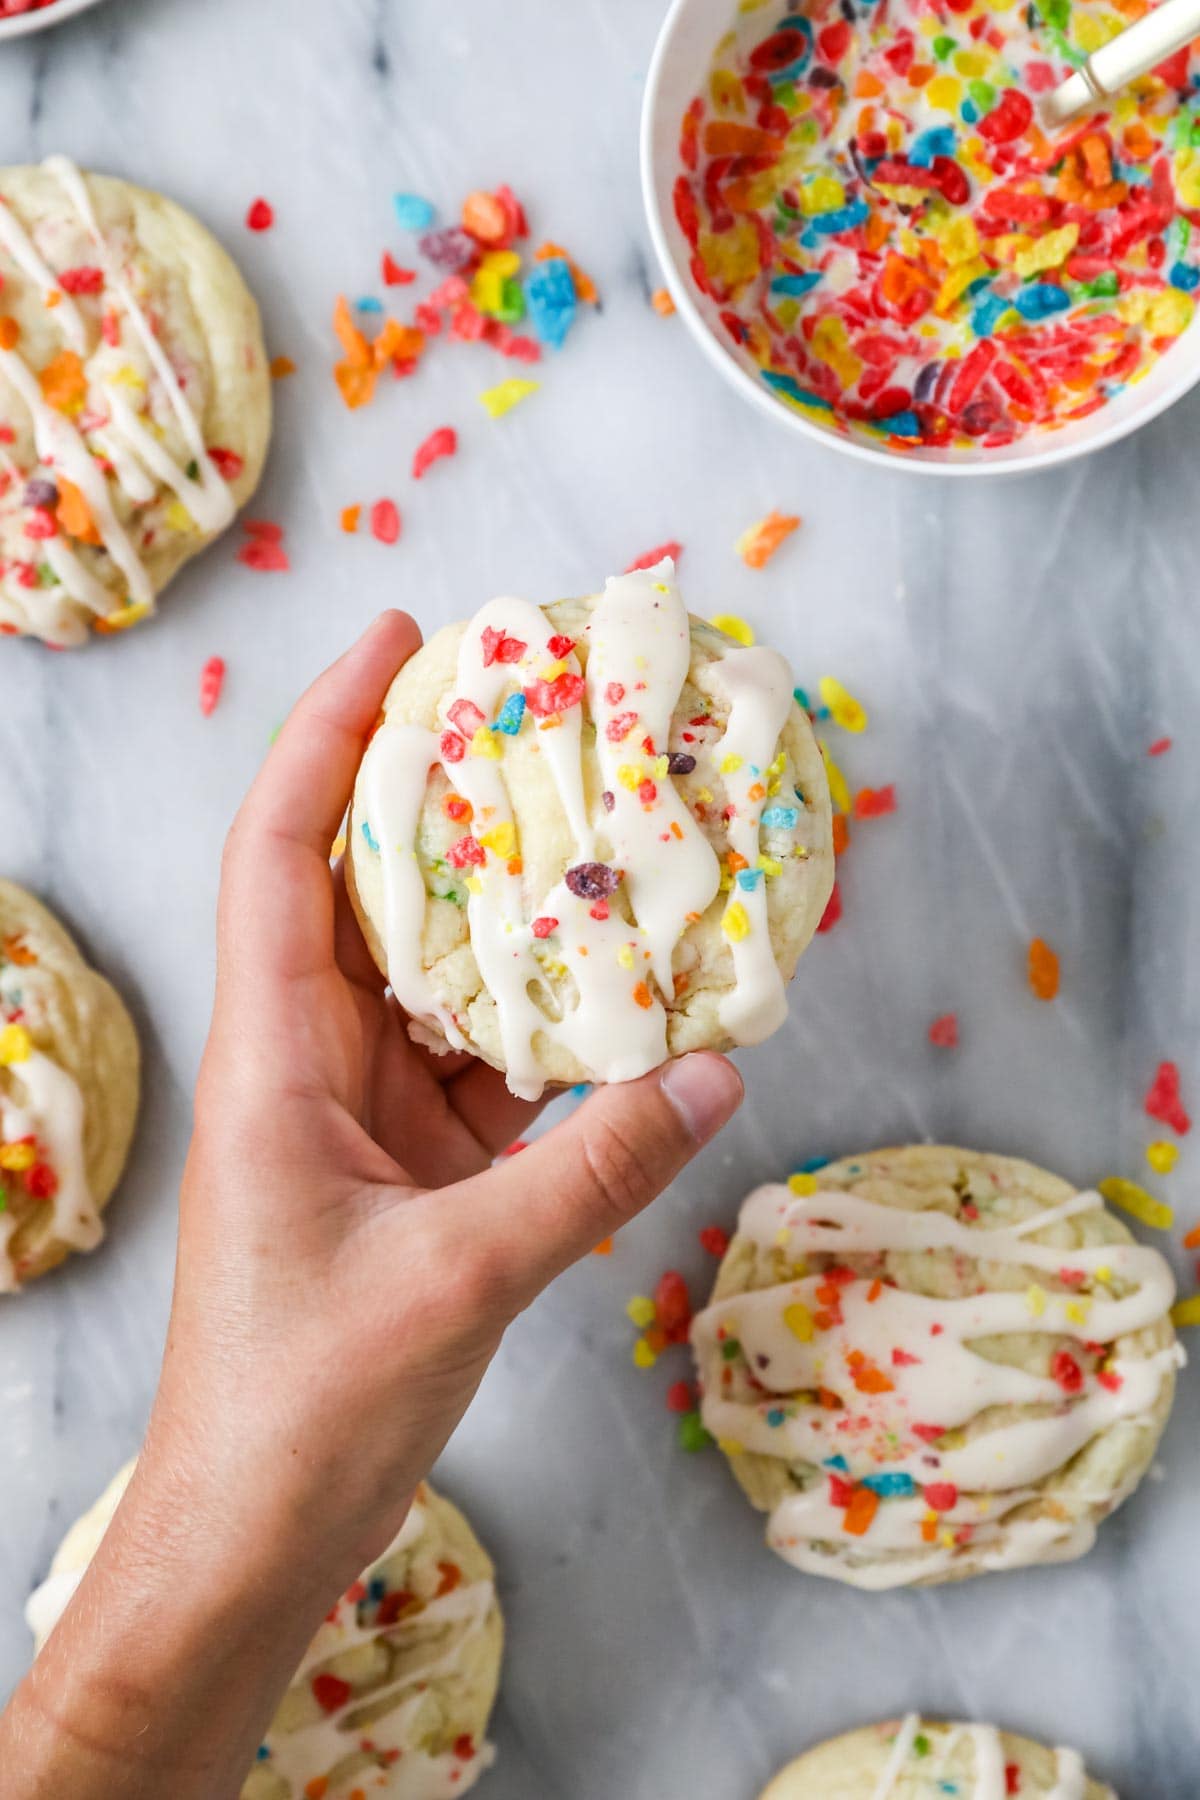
[[1040, 300], [1184, 277], [748, 879], [902, 424], [990, 309], [795, 285], [414, 212], [509, 718], [895, 1484], [781, 818], [846, 218], [550, 298], [939, 140], [369, 835]]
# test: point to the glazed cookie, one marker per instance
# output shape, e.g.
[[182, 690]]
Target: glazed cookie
[[590, 836], [926, 1363], [68, 1092], [911, 1759], [394, 1692], [135, 402]]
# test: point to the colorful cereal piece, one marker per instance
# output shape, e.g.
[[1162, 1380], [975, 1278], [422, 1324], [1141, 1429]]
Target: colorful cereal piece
[[498, 400], [1043, 970], [759, 542], [212, 679], [440, 443], [1135, 1200]]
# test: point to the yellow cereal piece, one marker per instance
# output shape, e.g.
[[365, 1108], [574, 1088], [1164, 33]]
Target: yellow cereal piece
[[956, 284], [945, 92], [122, 617], [735, 922], [1078, 1310], [1035, 1300], [127, 377], [641, 1311], [734, 626], [731, 1447], [1186, 1312], [643, 1356], [473, 884], [1048, 252], [972, 63], [16, 1045], [728, 94], [1188, 181], [844, 709], [729, 765], [487, 743], [1091, 31], [625, 956], [501, 838], [958, 239], [769, 866], [803, 1184], [823, 194], [1162, 1156], [1135, 1200], [178, 517], [831, 345], [839, 790], [630, 776], [498, 400], [799, 1321], [1170, 312], [16, 1158], [732, 257]]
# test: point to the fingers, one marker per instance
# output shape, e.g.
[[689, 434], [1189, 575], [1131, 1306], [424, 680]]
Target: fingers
[[492, 1115], [276, 897], [536, 1213]]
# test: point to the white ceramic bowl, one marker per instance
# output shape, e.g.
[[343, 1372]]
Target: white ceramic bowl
[[678, 71], [43, 18]]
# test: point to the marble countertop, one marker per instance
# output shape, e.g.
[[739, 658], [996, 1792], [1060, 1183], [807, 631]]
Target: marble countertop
[[1019, 645]]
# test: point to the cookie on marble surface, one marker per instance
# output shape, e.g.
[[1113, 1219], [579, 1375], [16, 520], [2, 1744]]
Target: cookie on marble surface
[[135, 402], [925, 1363], [591, 835], [69, 1071], [407, 1664], [914, 1759]]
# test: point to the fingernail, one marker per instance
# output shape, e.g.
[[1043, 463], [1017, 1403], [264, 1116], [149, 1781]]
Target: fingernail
[[704, 1090]]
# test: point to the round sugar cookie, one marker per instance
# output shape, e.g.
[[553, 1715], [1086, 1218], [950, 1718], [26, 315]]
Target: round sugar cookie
[[69, 1071], [926, 1363], [135, 402], [915, 1759], [395, 1691], [591, 835]]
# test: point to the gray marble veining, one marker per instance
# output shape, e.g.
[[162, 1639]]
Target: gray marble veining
[[1018, 645]]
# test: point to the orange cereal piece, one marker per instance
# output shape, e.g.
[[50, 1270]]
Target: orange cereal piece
[[867, 86], [63, 382], [725, 137], [485, 218], [350, 516], [860, 1514], [1043, 970], [1097, 163], [74, 514], [10, 331], [282, 366]]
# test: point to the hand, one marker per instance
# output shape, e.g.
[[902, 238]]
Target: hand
[[349, 1259]]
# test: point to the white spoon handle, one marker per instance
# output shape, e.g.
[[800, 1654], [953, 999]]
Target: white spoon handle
[[1170, 27]]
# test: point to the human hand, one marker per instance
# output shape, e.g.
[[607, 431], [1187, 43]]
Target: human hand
[[349, 1255]]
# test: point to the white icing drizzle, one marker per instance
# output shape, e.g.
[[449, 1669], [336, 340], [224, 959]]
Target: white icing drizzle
[[905, 1372], [990, 1781], [52, 1112], [611, 1019], [125, 440]]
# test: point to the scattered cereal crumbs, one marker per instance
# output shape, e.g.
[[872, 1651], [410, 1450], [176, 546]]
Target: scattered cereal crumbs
[[758, 544], [844, 709], [263, 549], [603, 1248], [1186, 1312], [1192, 1240], [734, 626], [1163, 1099], [944, 1031], [393, 274], [1135, 1200], [349, 517], [1043, 970], [833, 910], [1162, 1156], [714, 1239], [672, 549], [1159, 747], [662, 303], [440, 443], [498, 400], [261, 215], [692, 1435], [212, 678], [385, 521], [875, 803], [282, 367]]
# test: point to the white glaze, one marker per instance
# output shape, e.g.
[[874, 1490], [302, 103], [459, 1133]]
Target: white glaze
[[51, 1111], [941, 1386], [612, 1020]]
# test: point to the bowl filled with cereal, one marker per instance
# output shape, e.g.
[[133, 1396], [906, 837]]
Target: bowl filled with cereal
[[869, 230]]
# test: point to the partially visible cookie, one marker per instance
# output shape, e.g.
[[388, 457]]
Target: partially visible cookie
[[69, 1070], [926, 1363], [913, 1759], [395, 1691], [135, 402]]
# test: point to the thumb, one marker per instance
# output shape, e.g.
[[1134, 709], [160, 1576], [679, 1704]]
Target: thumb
[[535, 1214]]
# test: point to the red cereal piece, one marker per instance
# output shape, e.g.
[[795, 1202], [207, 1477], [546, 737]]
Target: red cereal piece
[[714, 1239], [330, 1692], [940, 1496], [261, 215], [543, 926], [680, 1397], [499, 647], [266, 555], [1066, 1372], [439, 443], [86, 279], [673, 1307], [385, 521], [393, 274], [546, 699], [671, 548], [1159, 747], [833, 910], [944, 1032], [212, 678], [874, 803], [1163, 1100]]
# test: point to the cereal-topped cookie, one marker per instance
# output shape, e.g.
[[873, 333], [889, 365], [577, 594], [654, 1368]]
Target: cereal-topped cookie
[[135, 402], [394, 1693], [69, 1070], [926, 1363], [591, 835], [916, 1759]]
